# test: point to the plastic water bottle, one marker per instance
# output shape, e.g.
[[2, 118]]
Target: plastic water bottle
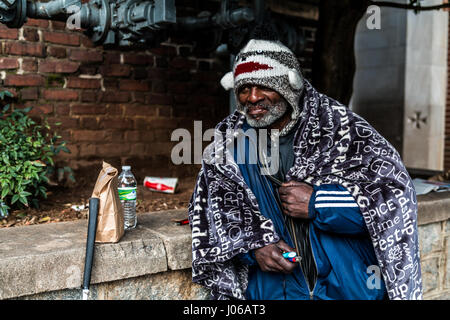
[[127, 195]]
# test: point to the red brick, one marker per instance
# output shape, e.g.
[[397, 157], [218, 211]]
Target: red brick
[[139, 135], [25, 49], [163, 124], [29, 80], [158, 73], [62, 109], [40, 109], [89, 123], [182, 63], [29, 93], [179, 87], [115, 110], [137, 149], [9, 63], [90, 69], [29, 65], [113, 149], [140, 110], [57, 52], [58, 66], [141, 124], [88, 149], [139, 73], [116, 123], [138, 59], [133, 136], [164, 51], [133, 85], [88, 96], [30, 34], [111, 84], [115, 136], [88, 135], [165, 111], [159, 148], [183, 75], [58, 25], [81, 83], [55, 94], [159, 99], [158, 86], [9, 34], [138, 97], [86, 55], [86, 42], [37, 23], [115, 96], [88, 109], [69, 39], [112, 57], [66, 123], [115, 70]]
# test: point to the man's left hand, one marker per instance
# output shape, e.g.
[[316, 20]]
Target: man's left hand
[[295, 198]]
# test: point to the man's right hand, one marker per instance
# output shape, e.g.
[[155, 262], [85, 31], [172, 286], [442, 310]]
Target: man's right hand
[[270, 258]]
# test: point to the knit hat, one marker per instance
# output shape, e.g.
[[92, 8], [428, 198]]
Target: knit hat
[[270, 64]]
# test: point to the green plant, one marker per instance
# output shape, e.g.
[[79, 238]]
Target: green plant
[[27, 150]]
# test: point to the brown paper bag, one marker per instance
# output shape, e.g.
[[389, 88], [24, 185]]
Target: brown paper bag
[[110, 221]]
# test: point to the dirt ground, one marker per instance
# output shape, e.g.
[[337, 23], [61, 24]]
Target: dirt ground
[[58, 205]]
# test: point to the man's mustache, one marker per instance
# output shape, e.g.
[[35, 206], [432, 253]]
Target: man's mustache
[[250, 106]]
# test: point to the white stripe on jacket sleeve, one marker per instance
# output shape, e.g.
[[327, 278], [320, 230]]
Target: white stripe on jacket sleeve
[[332, 192], [336, 205], [334, 199]]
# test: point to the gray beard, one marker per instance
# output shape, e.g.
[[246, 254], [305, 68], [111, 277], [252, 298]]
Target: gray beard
[[274, 113]]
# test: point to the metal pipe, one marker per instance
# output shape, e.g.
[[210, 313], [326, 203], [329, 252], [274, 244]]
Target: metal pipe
[[54, 10], [89, 16], [235, 18], [259, 8], [241, 16]]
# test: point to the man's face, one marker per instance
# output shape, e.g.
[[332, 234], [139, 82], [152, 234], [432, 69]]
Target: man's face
[[262, 106]]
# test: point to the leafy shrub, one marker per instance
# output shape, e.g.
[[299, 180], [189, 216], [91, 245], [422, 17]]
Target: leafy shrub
[[27, 150]]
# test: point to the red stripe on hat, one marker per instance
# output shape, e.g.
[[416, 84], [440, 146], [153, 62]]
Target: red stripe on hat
[[250, 67]]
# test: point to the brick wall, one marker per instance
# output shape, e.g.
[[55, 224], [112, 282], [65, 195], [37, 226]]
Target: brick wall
[[447, 113], [115, 105]]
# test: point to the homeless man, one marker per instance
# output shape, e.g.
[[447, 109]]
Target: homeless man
[[341, 197]]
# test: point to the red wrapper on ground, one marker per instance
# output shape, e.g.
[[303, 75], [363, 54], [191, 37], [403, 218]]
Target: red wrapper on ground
[[158, 184]]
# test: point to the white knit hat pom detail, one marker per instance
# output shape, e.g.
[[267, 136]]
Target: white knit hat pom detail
[[295, 80], [227, 81]]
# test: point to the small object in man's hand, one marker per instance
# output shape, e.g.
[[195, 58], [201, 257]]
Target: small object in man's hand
[[291, 256]]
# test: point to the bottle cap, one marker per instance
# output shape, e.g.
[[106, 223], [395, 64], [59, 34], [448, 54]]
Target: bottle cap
[[126, 167]]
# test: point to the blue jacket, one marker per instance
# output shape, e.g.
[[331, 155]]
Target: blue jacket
[[342, 250]]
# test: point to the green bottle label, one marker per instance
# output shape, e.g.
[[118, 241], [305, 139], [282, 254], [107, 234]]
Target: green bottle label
[[128, 193]]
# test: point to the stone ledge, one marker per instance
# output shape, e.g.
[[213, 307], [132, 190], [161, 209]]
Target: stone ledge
[[47, 258], [433, 207], [50, 257]]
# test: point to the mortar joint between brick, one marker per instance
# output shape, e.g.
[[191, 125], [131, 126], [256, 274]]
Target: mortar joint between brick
[[41, 37], [20, 70], [21, 37]]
